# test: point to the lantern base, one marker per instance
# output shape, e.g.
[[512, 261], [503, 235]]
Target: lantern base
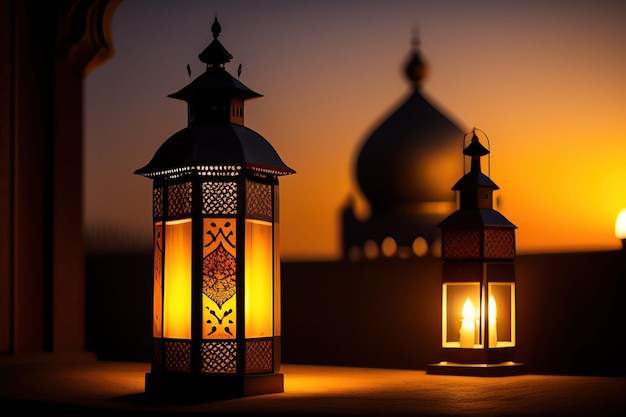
[[185, 387], [508, 368]]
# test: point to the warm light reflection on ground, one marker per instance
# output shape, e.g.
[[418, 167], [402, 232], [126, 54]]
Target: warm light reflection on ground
[[321, 390], [390, 390]]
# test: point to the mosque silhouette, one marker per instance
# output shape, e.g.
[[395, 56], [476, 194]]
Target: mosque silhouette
[[405, 170]]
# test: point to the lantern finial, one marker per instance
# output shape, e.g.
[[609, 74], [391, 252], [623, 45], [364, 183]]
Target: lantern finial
[[215, 54], [216, 28]]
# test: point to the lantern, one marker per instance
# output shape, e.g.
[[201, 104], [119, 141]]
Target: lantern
[[478, 279], [216, 290]]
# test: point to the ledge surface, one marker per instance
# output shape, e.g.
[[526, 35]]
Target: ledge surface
[[117, 388]]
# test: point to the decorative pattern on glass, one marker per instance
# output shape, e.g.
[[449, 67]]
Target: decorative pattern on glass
[[219, 278]]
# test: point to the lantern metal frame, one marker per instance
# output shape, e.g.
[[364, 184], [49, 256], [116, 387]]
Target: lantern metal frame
[[478, 290], [216, 285]]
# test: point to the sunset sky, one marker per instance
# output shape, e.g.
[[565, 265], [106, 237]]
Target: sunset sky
[[545, 80]]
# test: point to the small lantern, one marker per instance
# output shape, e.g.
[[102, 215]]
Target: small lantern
[[478, 280], [216, 290]]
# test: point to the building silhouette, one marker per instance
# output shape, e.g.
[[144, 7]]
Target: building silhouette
[[405, 170]]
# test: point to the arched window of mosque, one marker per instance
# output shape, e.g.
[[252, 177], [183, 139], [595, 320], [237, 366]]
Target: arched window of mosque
[[420, 246], [370, 249], [389, 246]]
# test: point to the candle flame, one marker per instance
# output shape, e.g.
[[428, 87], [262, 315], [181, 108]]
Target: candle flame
[[492, 308], [468, 310]]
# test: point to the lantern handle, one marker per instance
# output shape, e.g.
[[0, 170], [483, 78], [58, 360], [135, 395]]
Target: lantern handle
[[474, 129]]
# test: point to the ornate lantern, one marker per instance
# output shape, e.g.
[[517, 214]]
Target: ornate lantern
[[478, 280], [216, 292]]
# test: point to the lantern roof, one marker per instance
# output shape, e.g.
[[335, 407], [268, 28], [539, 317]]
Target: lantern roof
[[471, 214], [475, 148], [212, 141], [476, 218], [226, 144], [475, 177], [215, 78], [211, 81]]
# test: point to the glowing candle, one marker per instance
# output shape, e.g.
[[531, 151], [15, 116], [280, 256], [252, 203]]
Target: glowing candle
[[466, 333], [493, 323]]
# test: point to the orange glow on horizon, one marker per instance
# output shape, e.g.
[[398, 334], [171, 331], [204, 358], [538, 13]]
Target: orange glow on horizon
[[558, 140], [620, 225]]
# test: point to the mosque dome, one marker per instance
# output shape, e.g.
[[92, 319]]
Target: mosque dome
[[412, 156]]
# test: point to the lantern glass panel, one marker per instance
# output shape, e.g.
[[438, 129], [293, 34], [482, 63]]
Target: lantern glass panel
[[219, 278], [461, 315], [501, 314], [259, 280], [277, 284], [177, 280]]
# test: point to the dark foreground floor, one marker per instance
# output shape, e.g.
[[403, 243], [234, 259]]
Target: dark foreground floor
[[94, 387]]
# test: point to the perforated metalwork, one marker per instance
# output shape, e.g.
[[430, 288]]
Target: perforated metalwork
[[461, 244], [219, 170], [258, 200], [219, 357], [179, 200], [259, 356], [157, 364], [177, 356], [500, 244], [157, 203], [219, 198]]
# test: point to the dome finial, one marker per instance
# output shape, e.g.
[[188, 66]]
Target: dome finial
[[415, 69], [415, 38]]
